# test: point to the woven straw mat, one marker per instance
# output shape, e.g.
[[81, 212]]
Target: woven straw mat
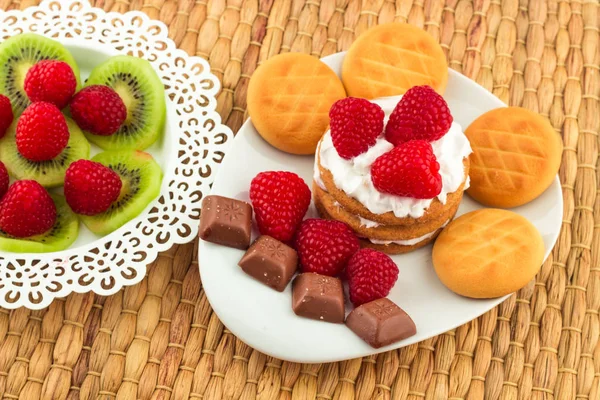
[[160, 339]]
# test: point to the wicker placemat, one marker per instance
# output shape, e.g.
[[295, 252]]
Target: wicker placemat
[[160, 339]]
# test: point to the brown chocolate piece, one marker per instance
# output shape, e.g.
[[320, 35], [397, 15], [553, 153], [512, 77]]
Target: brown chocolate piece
[[380, 322], [318, 297], [226, 221], [271, 262]]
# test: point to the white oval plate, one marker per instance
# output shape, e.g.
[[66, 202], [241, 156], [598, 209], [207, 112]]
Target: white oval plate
[[263, 318]]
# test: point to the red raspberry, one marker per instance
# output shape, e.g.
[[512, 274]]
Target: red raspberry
[[420, 114], [6, 115], [280, 200], [325, 246], [26, 210], [90, 187], [409, 170], [42, 132], [51, 81], [355, 126], [3, 180], [371, 276], [98, 109]]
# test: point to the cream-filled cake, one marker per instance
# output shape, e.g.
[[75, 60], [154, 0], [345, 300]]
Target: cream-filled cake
[[344, 188]]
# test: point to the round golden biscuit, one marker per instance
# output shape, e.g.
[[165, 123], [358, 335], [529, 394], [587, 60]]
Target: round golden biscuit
[[289, 97], [389, 59], [488, 253], [516, 155]]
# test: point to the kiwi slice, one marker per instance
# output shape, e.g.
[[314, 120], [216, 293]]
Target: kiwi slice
[[141, 177], [49, 173], [21, 52], [144, 96], [59, 237]]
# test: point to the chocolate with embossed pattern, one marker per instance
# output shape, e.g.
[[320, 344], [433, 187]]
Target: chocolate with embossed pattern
[[381, 322], [226, 221], [271, 262], [318, 297]]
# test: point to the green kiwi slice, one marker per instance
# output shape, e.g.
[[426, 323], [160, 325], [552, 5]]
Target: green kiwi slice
[[142, 92], [49, 173], [141, 177], [59, 237], [21, 52]]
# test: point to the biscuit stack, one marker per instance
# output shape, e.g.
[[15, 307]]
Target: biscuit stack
[[385, 232]]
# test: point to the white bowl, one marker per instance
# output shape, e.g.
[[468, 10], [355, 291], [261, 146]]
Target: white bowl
[[190, 150], [263, 318]]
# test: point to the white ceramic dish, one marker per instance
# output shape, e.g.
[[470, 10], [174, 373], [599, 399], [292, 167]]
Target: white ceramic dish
[[263, 318], [105, 264]]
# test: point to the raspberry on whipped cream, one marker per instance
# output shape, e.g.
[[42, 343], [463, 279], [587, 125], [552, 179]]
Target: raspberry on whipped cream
[[354, 125], [421, 114], [410, 170]]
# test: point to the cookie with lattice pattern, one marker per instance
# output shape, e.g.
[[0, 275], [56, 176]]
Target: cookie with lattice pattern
[[488, 253], [516, 155], [389, 59], [289, 97]]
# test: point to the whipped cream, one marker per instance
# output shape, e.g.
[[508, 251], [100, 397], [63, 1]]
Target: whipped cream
[[354, 176], [367, 223], [408, 242], [316, 172]]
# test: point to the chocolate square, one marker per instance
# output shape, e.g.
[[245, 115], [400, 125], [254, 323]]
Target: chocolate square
[[381, 322], [318, 297], [271, 262], [226, 221]]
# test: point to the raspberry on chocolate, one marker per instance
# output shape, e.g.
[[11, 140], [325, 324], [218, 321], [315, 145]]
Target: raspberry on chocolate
[[280, 200], [42, 132], [98, 109], [371, 276], [6, 115], [51, 81], [409, 170], [325, 246], [421, 114], [355, 125], [90, 187], [26, 210]]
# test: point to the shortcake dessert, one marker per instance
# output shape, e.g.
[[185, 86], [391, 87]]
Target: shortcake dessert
[[393, 169]]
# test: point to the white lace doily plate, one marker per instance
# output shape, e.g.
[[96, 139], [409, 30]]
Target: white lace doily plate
[[193, 145]]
